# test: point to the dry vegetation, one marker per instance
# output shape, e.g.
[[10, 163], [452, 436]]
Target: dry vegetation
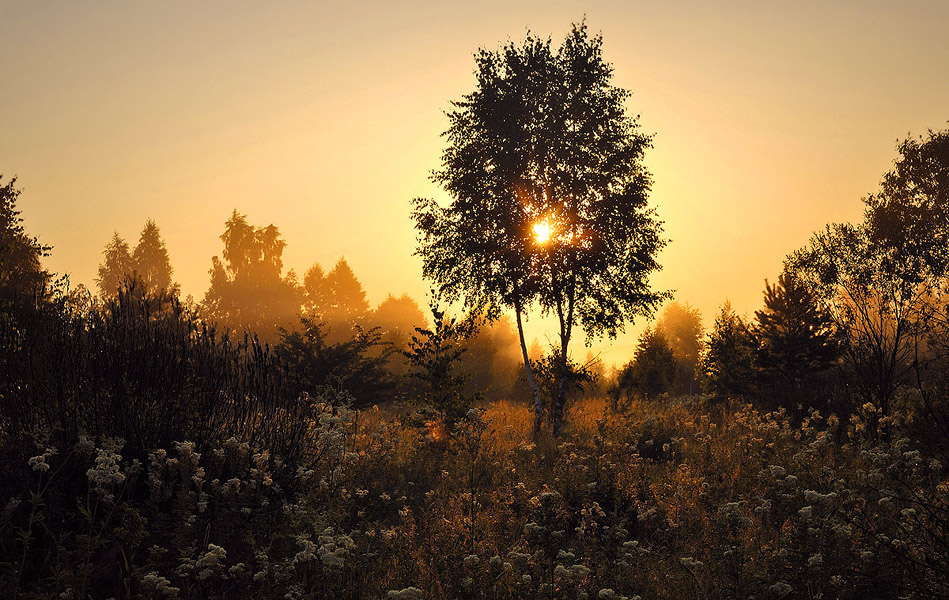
[[674, 500]]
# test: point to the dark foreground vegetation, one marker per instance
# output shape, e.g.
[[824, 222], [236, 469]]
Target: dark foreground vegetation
[[281, 439]]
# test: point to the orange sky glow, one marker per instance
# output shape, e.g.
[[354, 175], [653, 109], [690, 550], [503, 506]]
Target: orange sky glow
[[770, 120]]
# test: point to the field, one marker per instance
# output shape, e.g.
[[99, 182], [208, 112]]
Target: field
[[680, 499]]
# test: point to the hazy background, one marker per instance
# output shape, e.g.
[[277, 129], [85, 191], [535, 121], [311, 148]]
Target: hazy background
[[770, 121]]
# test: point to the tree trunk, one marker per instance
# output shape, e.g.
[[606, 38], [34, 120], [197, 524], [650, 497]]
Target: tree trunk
[[566, 328], [561, 398], [538, 405]]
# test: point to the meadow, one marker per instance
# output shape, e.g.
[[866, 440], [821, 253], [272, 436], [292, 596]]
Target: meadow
[[668, 499]]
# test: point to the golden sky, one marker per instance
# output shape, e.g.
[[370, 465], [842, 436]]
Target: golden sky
[[324, 118]]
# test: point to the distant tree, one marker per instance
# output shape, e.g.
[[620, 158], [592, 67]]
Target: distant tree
[[397, 318], [493, 358], [681, 325], [21, 273], [316, 293], [347, 301], [728, 365], [151, 263], [549, 197], [796, 338], [248, 290], [652, 371], [116, 268]]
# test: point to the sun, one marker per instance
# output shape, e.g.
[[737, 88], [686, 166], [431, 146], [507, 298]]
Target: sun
[[542, 232]]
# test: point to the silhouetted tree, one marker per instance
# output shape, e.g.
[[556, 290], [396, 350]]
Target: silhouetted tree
[[356, 365], [397, 318], [681, 325], [796, 339], [728, 365], [316, 293], [151, 263], [433, 356], [652, 372], [247, 289], [909, 217], [21, 274], [549, 196], [116, 268], [549, 377], [347, 306]]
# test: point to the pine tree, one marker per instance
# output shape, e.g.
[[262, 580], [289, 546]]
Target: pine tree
[[728, 365], [116, 268], [796, 338], [151, 263]]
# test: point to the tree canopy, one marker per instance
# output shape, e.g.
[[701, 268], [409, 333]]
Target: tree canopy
[[151, 262], [549, 195], [248, 290], [21, 274]]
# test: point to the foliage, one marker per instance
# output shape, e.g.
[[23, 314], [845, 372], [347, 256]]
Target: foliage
[[796, 339], [356, 366], [148, 264], [248, 291], [653, 369], [548, 368], [337, 299], [728, 365], [681, 325], [125, 369], [22, 277], [908, 218], [544, 144], [151, 263], [397, 318], [433, 356], [116, 268], [662, 501]]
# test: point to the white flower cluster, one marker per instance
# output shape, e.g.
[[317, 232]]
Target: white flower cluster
[[39, 462], [409, 593], [334, 549], [211, 563], [156, 584], [107, 472]]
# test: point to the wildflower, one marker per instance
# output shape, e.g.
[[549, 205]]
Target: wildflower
[[39, 462], [211, 562], [106, 473], [154, 582], [409, 593], [690, 563], [307, 550]]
